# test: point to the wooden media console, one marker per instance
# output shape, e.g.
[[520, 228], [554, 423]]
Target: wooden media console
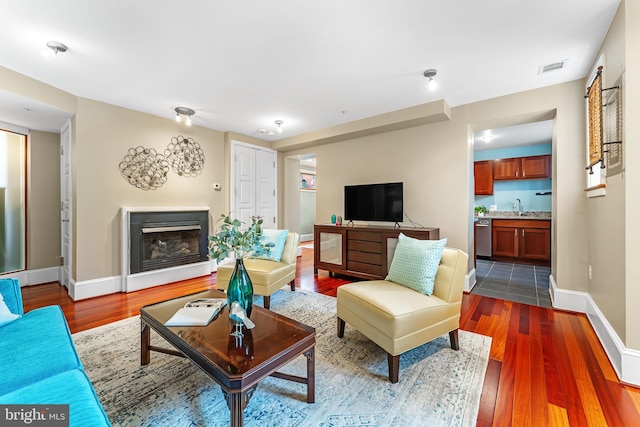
[[360, 251]]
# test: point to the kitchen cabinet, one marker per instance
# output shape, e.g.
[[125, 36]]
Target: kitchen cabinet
[[527, 240], [483, 177], [531, 167]]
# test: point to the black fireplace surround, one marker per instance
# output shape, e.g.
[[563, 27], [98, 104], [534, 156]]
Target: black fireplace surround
[[167, 239]]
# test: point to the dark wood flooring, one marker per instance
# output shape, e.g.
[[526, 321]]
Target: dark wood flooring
[[546, 367]]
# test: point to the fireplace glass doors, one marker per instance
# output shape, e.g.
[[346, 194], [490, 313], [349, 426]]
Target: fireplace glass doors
[[167, 239]]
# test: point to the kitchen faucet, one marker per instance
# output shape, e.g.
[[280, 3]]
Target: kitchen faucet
[[517, 203]]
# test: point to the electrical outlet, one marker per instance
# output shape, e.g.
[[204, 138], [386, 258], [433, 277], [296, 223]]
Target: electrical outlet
[[590, 275]]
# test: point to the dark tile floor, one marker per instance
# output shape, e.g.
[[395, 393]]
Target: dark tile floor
[[527, 284]]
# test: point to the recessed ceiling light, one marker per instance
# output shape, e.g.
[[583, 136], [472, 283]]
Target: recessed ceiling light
[[488, 136]]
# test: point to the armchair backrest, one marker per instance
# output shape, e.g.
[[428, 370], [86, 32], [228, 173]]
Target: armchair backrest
[[449, 281], [10, 290], [290, 250]]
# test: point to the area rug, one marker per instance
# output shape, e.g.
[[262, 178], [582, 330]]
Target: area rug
[[438, 386]]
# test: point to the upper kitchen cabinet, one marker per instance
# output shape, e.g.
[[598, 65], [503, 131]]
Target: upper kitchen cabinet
[[483, 177], [536, 167], [530, 167]]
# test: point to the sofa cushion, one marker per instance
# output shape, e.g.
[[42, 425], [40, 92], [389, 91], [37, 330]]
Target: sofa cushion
[[415, 263], [277, 237], [36, 346], [6, 316], [71, 388], [261, 271], [394, 310]]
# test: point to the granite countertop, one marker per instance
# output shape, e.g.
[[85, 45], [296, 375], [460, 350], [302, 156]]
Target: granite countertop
[[514, 215]]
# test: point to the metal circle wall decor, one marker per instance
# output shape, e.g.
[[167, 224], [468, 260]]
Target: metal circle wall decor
[[144, 168], [185, 156]]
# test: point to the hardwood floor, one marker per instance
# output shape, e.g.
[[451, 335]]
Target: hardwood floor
[[546, 367]]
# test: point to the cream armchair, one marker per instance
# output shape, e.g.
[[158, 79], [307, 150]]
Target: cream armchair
[[266, 276], [398, 318]]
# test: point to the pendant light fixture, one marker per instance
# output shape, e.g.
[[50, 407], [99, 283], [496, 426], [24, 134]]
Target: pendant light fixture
[[430, 74], [53, 48]]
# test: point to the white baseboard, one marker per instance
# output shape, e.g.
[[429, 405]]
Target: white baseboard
[[148, 279], [470, 280], [35, 277], [626, 362], [94, 288]]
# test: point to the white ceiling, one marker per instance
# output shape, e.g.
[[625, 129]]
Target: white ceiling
[[512, 136], [241, 65]]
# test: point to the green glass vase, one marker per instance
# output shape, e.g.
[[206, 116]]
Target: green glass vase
[[240, 288]]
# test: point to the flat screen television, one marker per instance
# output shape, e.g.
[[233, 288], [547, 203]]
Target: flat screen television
[[373, 202]]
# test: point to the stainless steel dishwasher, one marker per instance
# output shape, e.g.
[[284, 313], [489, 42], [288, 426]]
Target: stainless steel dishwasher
[[483, 238]]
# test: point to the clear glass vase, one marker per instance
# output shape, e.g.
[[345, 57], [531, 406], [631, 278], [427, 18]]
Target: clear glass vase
[[240, 288]]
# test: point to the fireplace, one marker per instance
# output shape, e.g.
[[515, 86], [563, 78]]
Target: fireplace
[[163, 245], [167, 239]]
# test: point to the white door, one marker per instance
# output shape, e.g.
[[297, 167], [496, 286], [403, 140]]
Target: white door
[[244, 189], [266, 187], [65, 204], [254, 184]]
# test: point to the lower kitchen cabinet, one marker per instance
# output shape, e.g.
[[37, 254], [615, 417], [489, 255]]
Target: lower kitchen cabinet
[[527, 240]]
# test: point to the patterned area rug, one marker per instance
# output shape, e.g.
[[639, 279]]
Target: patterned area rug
[[438, 386]]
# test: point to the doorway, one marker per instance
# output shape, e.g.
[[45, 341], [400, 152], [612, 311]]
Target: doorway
[[512, 212], [308, 186]]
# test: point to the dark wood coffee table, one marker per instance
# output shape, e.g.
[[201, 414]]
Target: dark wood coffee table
[[238, 366]]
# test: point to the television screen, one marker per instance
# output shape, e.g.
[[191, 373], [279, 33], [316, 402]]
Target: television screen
[[373, 202]]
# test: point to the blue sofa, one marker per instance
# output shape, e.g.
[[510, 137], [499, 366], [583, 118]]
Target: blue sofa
[[39, 364]]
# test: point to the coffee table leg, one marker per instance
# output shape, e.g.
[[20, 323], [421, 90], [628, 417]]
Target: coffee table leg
[[237, 402], [237, 411], [145, 342], [311, 375]]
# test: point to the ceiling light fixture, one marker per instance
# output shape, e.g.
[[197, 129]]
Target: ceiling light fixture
[[54, 48], [279, 129], [487, 137], [430, 74], [183, 111]]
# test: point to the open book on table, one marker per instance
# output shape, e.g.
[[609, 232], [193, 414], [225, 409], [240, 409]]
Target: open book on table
[[198, 312]]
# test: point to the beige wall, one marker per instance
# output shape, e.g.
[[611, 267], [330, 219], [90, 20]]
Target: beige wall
[[434, 162], [632, 174], [36, 90], [103, 135], [43, 203], [606, 215], [429, 160], [565, 102]]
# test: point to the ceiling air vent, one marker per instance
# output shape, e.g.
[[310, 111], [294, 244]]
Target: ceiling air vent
[[552, 67]]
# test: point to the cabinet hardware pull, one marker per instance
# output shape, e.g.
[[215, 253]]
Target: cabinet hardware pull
[[516, 173], [524, 173], [523, 232], [515, 232]]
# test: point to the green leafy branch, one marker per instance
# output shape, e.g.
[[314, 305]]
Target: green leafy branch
[[229, 239]]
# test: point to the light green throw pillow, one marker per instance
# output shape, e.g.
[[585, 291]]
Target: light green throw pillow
[[278, 238], [415, 263]]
